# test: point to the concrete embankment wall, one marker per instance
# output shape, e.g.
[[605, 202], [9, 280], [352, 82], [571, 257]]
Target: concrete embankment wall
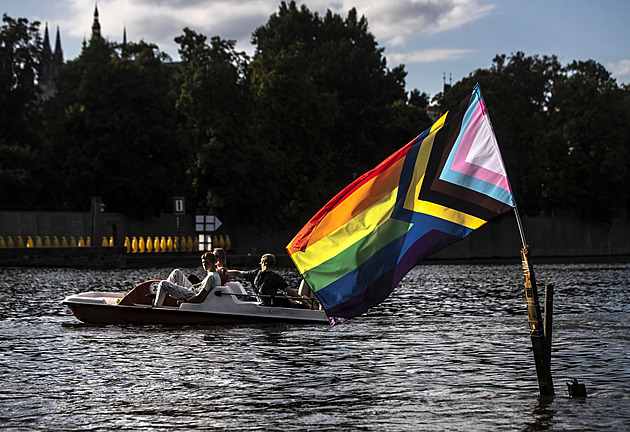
[[549, 237]]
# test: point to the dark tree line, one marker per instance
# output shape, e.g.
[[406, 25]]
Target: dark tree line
[[564, 132], [271, 138]]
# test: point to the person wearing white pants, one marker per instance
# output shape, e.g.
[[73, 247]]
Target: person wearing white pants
[[178, 286]]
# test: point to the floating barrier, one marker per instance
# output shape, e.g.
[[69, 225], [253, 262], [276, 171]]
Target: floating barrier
[[135, 245]]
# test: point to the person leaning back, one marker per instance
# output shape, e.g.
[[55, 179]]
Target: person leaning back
[[178, 286]]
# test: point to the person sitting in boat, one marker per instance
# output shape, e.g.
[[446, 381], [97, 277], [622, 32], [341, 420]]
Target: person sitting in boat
[[178, 286], [219, 256], [268, 284], [306, 292]]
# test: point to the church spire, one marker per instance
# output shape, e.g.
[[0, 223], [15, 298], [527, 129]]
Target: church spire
[[49, 63], [96, 26], [124, 52], [58, 54], [47, 49]]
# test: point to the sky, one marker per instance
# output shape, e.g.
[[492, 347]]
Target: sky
[[436, 40]]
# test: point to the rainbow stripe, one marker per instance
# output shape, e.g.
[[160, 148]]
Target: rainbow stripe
[[434, 191]]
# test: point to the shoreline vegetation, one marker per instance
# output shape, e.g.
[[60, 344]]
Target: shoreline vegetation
[[314, 107]]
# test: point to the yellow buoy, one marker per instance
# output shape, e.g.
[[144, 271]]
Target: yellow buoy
[[38, 241], [163, 244], [47, 242], [111, 241], [88, 242], [141, 245], [73, 242], [149, 244], [104, 242], [10, 243], [156, 244], [182, 244], [56, 242], [228, 243], [169, 244], [127, 244], [2, 242], [29, 242], [64, 241], [81, 242], [134, 244]]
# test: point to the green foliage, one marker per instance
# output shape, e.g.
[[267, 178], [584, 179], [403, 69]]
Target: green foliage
[[589, 117], [20, 118], [116, 129], [563, 132], [215, 107], [325, 102], [272, 138]]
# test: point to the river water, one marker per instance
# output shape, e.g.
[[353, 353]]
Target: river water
[[449, 350]]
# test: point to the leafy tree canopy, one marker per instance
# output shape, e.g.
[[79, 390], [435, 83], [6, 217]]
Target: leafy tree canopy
[[20, 118], [322, 85], [116, 123], [563, 132], [270, 139]]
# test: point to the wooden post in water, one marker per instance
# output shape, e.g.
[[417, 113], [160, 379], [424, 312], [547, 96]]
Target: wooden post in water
[[548, 320], [540, 345]]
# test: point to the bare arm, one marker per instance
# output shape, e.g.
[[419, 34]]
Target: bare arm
[[235, 273], [197, 298], [291, 292]]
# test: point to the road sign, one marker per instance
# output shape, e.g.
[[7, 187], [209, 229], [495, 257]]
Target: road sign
[[207, 223], [179, 207]]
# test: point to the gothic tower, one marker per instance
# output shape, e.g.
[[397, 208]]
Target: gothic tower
[[57, 58], [50, 62], [96, 26]]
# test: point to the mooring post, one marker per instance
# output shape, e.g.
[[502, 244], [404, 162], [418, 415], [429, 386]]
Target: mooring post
[[97, 221], [548, 321], [540, 345]]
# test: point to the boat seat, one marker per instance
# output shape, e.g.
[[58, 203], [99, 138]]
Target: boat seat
[[236, 287]]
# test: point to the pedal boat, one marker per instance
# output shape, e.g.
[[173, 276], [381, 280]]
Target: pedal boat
[[223, 305]]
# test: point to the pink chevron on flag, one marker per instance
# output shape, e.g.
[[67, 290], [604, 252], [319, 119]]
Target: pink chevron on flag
[[477, 155]]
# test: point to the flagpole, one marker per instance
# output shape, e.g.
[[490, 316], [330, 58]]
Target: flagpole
[[539, 324], [520, 225]]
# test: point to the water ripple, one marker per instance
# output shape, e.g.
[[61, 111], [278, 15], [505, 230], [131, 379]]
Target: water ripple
[[449, 350]]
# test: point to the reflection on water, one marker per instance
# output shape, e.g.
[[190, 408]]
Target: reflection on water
[[449, 350]]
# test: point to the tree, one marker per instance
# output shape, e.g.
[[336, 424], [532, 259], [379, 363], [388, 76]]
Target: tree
[[589, 119], [215, 107], [326, 104], [563, 133], [116, 129], [20, 116], [417, 99]]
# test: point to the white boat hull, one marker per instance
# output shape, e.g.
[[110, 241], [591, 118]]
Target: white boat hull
[[224, 305]]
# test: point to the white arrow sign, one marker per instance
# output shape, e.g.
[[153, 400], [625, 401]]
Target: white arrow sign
[[207, 223]]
